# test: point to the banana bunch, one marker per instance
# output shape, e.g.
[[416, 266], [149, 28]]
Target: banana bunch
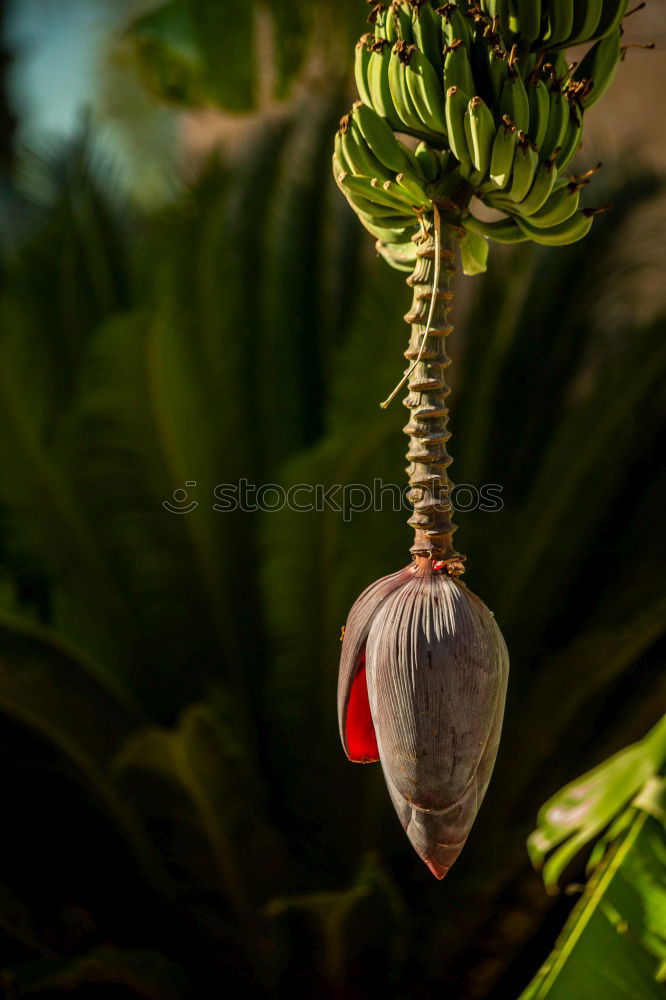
[[540, 25], [486, 89], [388, 186]]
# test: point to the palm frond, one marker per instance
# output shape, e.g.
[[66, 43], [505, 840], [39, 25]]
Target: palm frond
[[193, 788]]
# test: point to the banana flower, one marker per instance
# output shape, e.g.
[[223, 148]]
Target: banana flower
[[422, 685]]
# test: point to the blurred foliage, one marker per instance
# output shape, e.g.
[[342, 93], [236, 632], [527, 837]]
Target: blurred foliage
[[615, 940], [167, 679], [194, 52]]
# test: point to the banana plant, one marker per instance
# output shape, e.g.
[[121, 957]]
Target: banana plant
[[497, 111], [165, 678]]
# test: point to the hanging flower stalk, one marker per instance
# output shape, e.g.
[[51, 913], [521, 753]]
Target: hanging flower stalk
[[497, 112]]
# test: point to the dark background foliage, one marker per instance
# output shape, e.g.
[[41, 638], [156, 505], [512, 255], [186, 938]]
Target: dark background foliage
[[178, 816]]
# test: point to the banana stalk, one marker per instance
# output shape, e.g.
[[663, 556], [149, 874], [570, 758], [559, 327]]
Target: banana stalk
[[430, 488]]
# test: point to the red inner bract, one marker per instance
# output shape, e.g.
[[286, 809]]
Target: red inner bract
[[359, 730]]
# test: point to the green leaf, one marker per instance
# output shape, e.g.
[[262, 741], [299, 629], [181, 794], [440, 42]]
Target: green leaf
[[577, 813], [614, 943]]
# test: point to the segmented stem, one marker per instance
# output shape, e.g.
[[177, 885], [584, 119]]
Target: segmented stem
[[430, 487]]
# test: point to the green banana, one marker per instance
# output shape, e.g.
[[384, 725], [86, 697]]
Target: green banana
[[363, 187], [400, 256], [515, 103], [359, 155], [527, 65], [559, 65], [380, 215], [571, 231], [340, 162], [597, 69], [611, 17], [400, 232], [393, 226], [525, 163], [541, 190], [402, 12], [377, 17], [502, 231], [562, 204], [414, 191], [539, 102], [362, 58], [456, 109], [560, 21], [586, 21], [428, 162], [529, 16], [444, 156], [378, 84], [456, 25], [351, 160], [405, 108], [494, 8], [572, 138], [432, 164], [503, 152], [398, 87], [500, 9], [498, 70], [391, 26], [382, 142], [404, 188], [558, 117], [428, 36], [457, 70], [425, 91], [479, 135]]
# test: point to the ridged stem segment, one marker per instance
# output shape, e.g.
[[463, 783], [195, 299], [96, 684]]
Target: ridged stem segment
[[430, 487]]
